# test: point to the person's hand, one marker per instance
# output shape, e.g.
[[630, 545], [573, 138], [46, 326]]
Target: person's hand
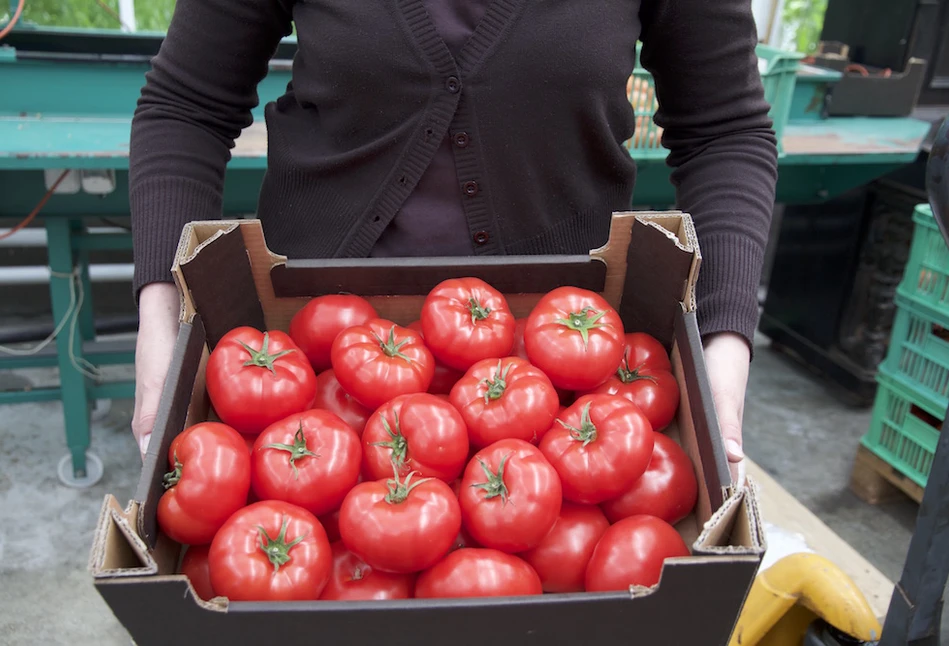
[[727, 358], [158, 309]]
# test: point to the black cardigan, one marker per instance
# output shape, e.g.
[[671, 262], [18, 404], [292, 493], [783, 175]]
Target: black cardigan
[[539, 89]]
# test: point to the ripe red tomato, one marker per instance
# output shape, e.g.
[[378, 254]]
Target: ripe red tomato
[[194, 565], [632, 552], [331, 396], [380, 360], [505, 398], [353, 580], [315, 326], [444, 377], [645, 378], [209, 481], [419, 432], [465, 320], [600, 446], [575, 337], [311, 459], [510, 496], [478, 572], [270, 551], [399, 525], [257, 378], [668, 489], [561, 558]]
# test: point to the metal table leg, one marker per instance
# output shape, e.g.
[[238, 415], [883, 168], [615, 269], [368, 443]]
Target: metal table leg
[[64, 290], [87, 324]]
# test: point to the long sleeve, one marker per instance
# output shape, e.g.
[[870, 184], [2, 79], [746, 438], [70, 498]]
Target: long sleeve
[[722, 147], [197, 98]]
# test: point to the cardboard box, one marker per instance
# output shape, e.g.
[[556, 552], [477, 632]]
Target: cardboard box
[[228, 277]]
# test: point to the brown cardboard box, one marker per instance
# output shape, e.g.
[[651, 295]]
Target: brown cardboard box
[[227, 277]]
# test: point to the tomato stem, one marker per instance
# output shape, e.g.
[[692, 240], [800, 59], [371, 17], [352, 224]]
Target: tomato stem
[[278, 549], [390, 348], [397, 443], [172, 477], [478, 311], [262, 358], [297, 450], [357, 574], [583, 321], [587, 431], [497, 385], [495, 486], [628, 375], [399, 491]]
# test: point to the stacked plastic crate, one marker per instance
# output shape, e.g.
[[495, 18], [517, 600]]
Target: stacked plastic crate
[[778, 70], [914, 377]]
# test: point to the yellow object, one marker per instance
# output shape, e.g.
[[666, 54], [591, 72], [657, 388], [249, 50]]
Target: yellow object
[[795, 591]]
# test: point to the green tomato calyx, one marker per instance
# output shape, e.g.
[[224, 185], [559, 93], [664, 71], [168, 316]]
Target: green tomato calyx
[[297, 450], [583, 321], [494, 487], [398, 490], [628, 375], [262, 358], [277, 549], [397, 443], [478, 311], [587, 431], [390, 348], [497, 385], [172, 477]]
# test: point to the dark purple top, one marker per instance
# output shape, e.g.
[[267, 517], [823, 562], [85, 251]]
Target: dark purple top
[[432, 220]]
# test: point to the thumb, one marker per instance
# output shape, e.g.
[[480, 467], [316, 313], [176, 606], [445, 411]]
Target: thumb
[[727, 358], [731, 433], [729, 409]]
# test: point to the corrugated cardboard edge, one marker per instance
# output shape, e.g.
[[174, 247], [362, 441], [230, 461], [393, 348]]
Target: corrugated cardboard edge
[[115, 529], [737, 521], [189, 244], [685, 238]]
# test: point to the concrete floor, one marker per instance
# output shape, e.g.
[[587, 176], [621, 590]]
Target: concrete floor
[[794, 429]]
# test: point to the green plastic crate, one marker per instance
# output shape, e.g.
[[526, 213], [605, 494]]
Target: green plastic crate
[[812, 87], [904, 429], [926, 275], [778, 75], [918, 354]]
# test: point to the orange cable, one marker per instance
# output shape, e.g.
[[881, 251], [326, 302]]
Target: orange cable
[[16, 16], [37, 208]]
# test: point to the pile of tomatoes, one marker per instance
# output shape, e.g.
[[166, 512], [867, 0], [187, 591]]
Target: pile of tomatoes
[[467, 454]]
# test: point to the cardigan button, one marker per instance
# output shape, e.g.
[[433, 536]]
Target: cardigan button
[[452, 84], [481, 237], [470, 188], [461, 139]]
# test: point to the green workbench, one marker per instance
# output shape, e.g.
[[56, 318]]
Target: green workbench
[[62, 112]]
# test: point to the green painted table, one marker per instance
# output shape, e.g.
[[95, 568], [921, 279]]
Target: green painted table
[[39, 130]]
